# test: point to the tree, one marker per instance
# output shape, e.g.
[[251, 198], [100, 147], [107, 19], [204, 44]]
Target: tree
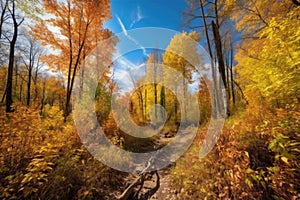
[[13, 14], [182, 47], [204, 99], [268, 61], [4, 6], [79, 25], [153, 75], [214, 23], [12, 42], [31, 60]]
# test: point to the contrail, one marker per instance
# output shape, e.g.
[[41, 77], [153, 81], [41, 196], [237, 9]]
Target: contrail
[[131, 38]]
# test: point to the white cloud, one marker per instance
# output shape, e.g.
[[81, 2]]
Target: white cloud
[[138, 17], [139, 14], [127, 73]]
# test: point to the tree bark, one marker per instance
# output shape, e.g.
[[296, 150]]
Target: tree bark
[[9, 100], [215, 93], [218, 45], [68, 95], [145, 106], [43, 97], [2, 16], [4, 95], [71, 76], [30, 66], [231, 74]]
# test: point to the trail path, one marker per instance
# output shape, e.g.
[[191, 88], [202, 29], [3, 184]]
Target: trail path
[[165, 190]]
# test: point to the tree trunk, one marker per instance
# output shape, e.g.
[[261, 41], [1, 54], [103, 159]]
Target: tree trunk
[[215, 94], [176, 106], [145, 106], [227, 78], [43, 97], [71, 78], [28, 87], [29, 77], [9, 100], [20, 91], [35, 85], [218, 45], [162, 100], [155, 99], [2, 17], [68, 95], [231, 74], [4, 95]]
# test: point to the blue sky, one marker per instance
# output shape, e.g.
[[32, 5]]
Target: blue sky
[[128, 15], [146, 13]]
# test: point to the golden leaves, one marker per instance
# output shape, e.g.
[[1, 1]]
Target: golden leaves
[[71, 27]]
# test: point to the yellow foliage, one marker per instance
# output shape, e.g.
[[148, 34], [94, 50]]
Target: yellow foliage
[[269, 63]]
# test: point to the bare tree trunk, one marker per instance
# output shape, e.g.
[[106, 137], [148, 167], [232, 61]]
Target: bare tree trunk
[[227, 78], [71, 78], [4, 95], [141, 103], [35, 85], [9, 100], [218, 45], [145, 106], [82, 77], [215, 96], [29, 86], [43, 97], [20, 90], [35, 79], [4, 8], [30, 66], [156, 61], [68, 95], [231, 73], [162, 100], [162, 95]]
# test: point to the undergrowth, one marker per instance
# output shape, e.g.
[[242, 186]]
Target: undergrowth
[[41, 157], [256, 157]]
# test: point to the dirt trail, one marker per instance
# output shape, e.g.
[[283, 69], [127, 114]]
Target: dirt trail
[[165, 191]]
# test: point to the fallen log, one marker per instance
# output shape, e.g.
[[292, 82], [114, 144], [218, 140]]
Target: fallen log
[[131, 193]]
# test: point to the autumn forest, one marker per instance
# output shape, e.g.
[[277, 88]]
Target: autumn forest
[[210, 110]]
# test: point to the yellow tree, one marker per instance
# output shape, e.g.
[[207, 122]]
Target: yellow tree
[[268, 58], [73, 28], [181, 47], [153, 76]]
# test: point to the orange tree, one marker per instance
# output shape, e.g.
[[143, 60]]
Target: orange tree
[[72, 28]]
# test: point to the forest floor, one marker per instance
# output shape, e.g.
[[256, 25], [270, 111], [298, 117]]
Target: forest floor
[[165, 190]]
